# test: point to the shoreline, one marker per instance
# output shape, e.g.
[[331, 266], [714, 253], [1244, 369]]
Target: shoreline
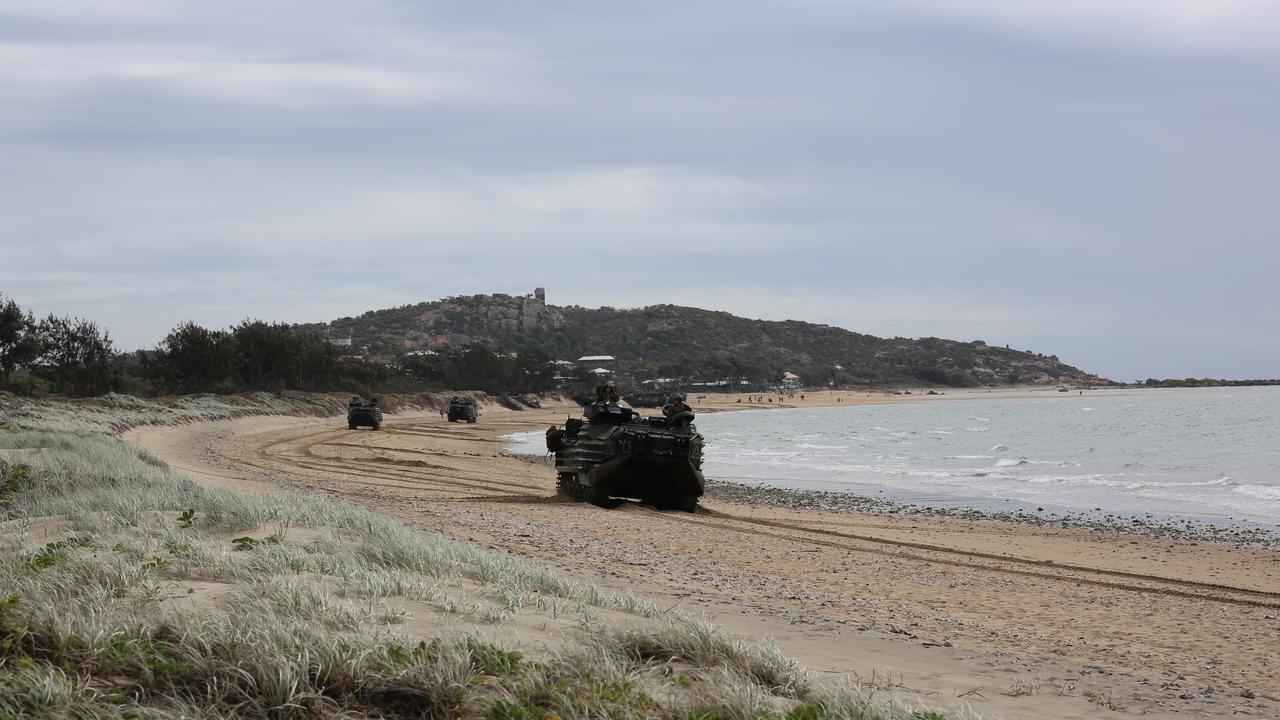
[[850, 502], [1157, 525]]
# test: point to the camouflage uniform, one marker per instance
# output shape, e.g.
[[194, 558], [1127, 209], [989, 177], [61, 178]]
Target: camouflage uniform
[[606, 396], [676, 406]]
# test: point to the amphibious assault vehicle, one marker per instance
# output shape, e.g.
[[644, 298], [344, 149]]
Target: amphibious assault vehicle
[[462, 409], [646, 399], [360, 414], [614, 452]]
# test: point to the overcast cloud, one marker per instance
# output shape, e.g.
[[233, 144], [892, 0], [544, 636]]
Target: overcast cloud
[[1091, 179]]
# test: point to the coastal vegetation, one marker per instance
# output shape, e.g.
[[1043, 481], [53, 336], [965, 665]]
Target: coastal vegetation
[[457, 344], [464, 343], [131, 591], [73, 357], [1206, 382], [69, 356]]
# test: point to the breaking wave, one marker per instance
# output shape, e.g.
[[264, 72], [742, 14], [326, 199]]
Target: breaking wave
[[1263, 492]]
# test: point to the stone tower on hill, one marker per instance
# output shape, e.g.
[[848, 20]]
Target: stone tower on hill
[[532, 311]]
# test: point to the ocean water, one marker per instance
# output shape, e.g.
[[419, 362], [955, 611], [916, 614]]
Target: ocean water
[[1210, 453]]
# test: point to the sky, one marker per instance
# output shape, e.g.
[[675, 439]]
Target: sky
[[1095, 180]]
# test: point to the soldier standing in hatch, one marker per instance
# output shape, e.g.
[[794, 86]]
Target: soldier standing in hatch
[[678, 413], [676, 406], [606, 395]]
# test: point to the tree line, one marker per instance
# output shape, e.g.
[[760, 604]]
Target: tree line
[[1206, 382], [74, 357]]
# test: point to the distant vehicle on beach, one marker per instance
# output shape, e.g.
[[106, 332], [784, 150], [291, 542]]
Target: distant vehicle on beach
[[463, 410], [360, 414], [645, 399]]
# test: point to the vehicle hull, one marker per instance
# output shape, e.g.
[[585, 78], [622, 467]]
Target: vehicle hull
[[641, 460], [370, 417], [463, 413]]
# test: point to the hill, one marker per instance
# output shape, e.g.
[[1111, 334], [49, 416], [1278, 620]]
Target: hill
[[695, 344]]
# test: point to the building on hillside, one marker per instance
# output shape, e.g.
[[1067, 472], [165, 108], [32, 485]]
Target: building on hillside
[[596, 359], [790, 381]]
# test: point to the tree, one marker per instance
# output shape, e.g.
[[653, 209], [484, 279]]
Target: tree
[[315, 360], [476, 367], [19, 341], [194, 359], [75, 356], [264, 355], [276, 356], [532, 372]]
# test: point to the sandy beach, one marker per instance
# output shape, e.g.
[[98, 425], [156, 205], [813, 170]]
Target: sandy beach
[[1012, 619]]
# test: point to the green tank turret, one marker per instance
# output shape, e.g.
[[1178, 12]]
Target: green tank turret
[[614, 452]]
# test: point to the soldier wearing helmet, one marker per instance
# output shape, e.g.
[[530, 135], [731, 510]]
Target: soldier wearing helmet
[[607, 393], [675, 406], [606, 397]]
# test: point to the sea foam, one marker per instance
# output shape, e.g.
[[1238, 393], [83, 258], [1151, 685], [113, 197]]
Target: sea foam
[[1262, 492]]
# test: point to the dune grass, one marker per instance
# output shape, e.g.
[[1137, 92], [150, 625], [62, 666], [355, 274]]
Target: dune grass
[[128, 591]]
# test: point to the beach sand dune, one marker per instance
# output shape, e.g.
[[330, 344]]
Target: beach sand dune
[[1012, 619]]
